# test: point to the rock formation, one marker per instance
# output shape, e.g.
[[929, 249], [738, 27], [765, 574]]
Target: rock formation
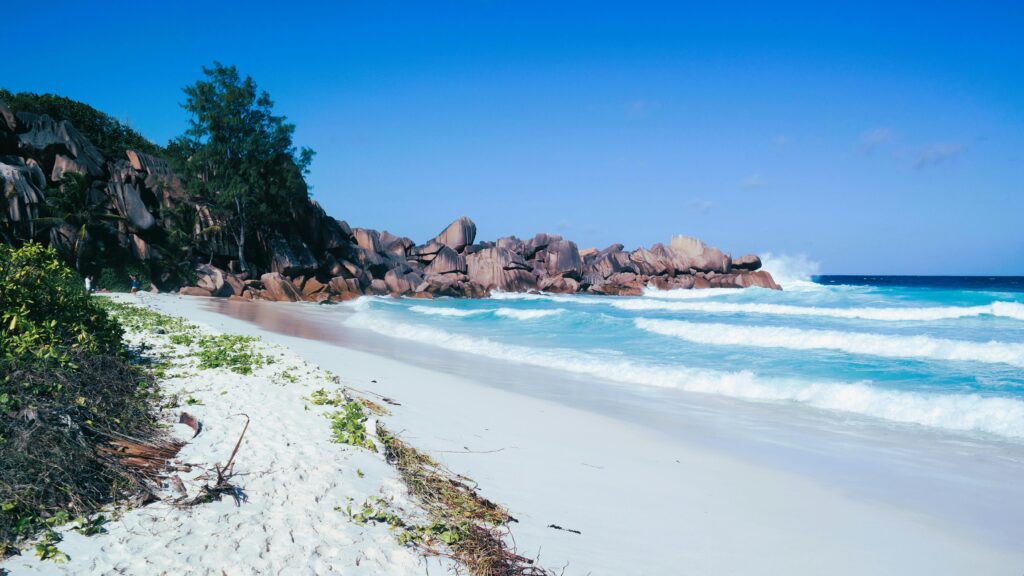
[[312, 256]]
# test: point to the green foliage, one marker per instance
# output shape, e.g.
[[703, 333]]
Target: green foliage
[[138, 319], [376, 510], [322, 397], [66, 386], [45, 313], [70, 202], [238, 155], [348, 426], [91, 526], [109, 135], [117, 278], [229, 351]]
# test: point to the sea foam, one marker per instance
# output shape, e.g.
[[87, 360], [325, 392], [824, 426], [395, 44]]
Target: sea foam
[[886, 345], [1014, 310], [964, 412], [513, 313]]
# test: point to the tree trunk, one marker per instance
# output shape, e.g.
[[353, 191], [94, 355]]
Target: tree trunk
[[240, 238]]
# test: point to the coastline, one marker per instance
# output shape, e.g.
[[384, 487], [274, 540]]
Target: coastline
[[613, 487]]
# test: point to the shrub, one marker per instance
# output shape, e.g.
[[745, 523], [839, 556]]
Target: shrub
[[66, 389], [45, 313]]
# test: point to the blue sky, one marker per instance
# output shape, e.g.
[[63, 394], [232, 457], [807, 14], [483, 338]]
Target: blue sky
[[871, 138]]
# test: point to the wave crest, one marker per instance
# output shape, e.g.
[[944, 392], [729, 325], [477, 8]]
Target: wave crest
[[884, 345], [964, 412], [1012, 310]]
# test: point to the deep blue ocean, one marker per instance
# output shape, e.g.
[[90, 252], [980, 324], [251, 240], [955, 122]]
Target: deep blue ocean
[[937, 352]]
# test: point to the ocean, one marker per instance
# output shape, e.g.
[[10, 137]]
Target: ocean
[[929, 353]]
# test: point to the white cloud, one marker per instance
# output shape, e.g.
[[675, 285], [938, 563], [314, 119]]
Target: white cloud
[[936, 154], [702, 206], [752, 181], [874, 138]]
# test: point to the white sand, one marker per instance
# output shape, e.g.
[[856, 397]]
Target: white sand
[[646, 503], [293, 477]]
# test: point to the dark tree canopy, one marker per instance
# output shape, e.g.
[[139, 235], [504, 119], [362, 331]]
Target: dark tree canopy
[[239, 155]]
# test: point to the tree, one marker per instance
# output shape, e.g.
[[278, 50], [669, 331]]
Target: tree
[[239, 156]]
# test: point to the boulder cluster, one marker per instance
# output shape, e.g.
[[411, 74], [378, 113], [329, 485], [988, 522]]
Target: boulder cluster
[[36, 151], [453, 264], [313, 256]]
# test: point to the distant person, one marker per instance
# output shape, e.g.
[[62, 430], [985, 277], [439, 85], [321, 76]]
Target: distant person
[[88, 284], [135, 282]]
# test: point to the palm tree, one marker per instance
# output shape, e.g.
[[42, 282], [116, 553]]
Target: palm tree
[[71, 203]]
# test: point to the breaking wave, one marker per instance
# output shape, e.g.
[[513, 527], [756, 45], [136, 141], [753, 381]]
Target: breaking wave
[[513, 313], [1014, 310], [889, 346], [964, 412]]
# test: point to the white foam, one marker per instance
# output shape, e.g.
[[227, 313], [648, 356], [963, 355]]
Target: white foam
[[444, 311], [965, 412], [1013, 310], [690, 294], [518, 314], [885, 345], [792, 272]]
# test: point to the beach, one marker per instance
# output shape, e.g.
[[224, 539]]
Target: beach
[[738, 489]]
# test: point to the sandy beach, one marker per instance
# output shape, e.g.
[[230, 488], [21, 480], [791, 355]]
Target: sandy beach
[[642, 500]]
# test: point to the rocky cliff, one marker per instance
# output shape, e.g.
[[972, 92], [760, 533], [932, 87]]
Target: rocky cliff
[[148, 219]]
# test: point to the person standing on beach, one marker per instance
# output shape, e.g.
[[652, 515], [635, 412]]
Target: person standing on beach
[[135, 282]]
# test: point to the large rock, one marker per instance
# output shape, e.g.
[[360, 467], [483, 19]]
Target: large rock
[[342, 285], [396, 245], [21, 190], [447, 261], [278, 288], [760, 278], [140, 248], [563, 259], [502, 269], [367, 239], [511, 243], [458, 234], [218, 282], [693, 253], [560, 285], [323, 232], [401, 282], [749, 263], [290, 256], [611, 260], [537, 243], [650, 264], [425, 253], [8, 122], [43, 137], [129, 205], [194, 291]]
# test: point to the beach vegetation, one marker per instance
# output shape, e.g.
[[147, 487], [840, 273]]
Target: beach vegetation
[[462, 524], [67, 390], [229, 351], [348, 426]]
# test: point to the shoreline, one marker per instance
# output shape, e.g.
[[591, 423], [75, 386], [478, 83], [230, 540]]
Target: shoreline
[[837, 528]]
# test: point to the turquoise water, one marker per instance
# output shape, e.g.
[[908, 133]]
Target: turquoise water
[[946, 354]]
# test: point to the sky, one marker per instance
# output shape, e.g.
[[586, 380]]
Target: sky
[[872, 138]]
